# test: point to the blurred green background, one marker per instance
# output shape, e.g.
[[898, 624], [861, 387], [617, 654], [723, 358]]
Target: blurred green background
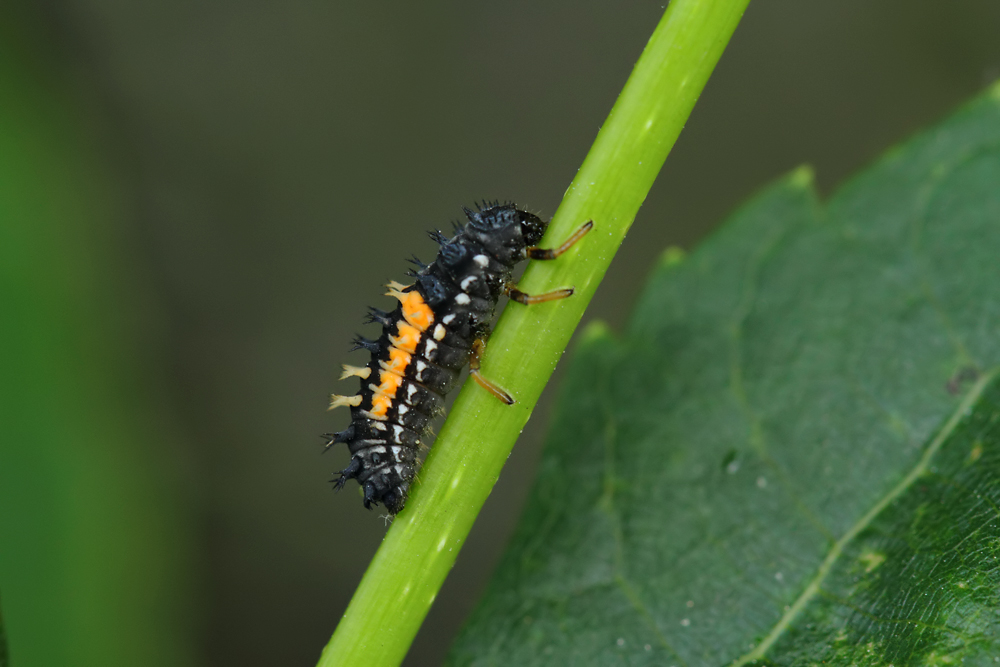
[[197, 202]]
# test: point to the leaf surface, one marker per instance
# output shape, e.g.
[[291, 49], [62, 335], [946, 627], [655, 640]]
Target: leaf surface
[[792, 455]]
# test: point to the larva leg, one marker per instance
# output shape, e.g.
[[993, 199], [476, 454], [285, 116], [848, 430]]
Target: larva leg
[[551, 253], [548, 253], [528, 299], [478, 347]]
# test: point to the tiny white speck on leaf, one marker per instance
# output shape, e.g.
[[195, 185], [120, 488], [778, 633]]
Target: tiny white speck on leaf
[[779, 576], [686, 622], [648, 647], [690, 603], [620, 642], [761, 482]]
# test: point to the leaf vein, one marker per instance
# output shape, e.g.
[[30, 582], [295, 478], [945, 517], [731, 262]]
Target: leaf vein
[[813, 587]]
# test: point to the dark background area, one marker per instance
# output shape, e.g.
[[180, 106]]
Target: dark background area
[[275, 163]]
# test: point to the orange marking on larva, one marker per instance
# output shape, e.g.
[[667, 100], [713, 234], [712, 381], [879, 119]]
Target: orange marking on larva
[[409, 337], [383, 394], [398, 361], [380, 406], [368, 414], [416, 312], [387, 369], [390, 383]]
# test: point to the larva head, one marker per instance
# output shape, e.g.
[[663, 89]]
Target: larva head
[[532, 228]]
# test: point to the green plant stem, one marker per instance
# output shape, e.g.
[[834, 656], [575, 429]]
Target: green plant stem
[[421, 546]]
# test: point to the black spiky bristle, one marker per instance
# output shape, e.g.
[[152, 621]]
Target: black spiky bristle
[[362, 343], [438, 237]]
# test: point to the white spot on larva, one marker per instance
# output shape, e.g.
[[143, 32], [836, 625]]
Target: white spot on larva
[[482, 260], [403, 409], [440, 331], [379, 426], [621, 641], [685, 622], [462, 299], [468, 280], [430, 347], [398, 469], [397, 451], [448, 319], [397, 431], [411, 389], [761, 482]]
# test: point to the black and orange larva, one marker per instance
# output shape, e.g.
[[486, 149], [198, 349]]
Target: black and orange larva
[[439, 326]]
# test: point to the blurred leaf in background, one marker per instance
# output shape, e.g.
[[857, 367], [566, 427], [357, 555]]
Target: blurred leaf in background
[[94, 546], [793, 456]]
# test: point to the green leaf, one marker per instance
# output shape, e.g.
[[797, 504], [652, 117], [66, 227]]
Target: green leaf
[[792, 456]]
